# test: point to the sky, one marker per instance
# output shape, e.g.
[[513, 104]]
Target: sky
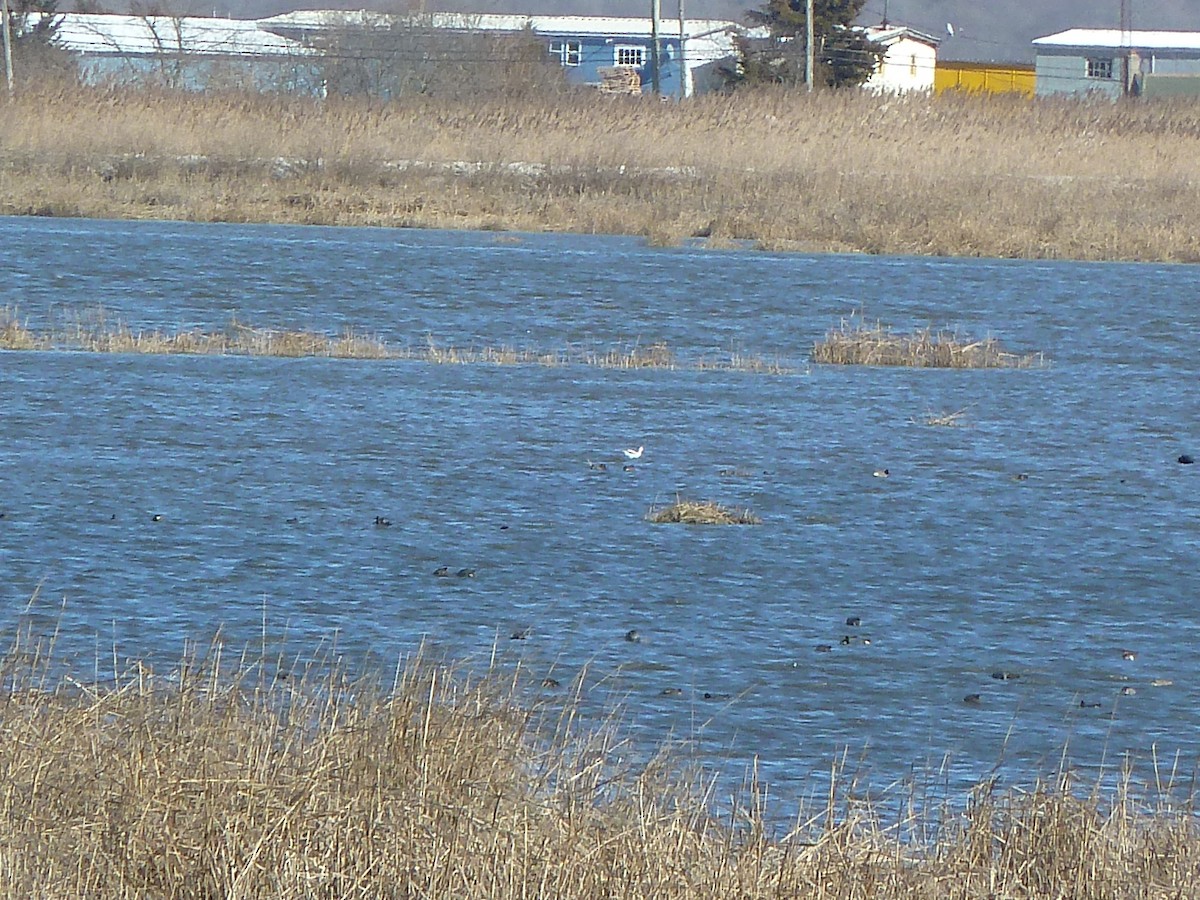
[[998, 30]]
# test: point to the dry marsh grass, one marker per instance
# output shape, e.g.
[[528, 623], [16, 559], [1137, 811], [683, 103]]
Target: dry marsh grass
[[247, 779], [952, 419], [15, 334], [93, 332], [855, 342], [960, 175], [701, 512], [99, 336]]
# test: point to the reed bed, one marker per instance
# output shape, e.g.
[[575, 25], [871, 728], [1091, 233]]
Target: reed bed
[[236, 340], [701, 512], [855, 342], [953, 419], [92, 332], [786, 171], [254, 779], [15, 334]]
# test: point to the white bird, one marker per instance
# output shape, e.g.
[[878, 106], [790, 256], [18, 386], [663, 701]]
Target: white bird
[[950, 29], [881, 473], [634, 454]]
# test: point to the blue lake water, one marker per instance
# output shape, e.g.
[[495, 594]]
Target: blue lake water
[[955, 569]]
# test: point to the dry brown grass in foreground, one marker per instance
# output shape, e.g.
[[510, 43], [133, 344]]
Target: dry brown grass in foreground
[[701, 512], [856, 343], [92, 332], [218, 781], [951, 175]]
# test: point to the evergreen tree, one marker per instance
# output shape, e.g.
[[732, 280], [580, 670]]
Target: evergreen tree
[[842, 55]]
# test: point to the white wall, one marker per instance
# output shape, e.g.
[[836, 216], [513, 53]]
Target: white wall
[[907, 66]]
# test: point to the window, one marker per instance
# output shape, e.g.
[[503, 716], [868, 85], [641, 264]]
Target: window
[[569, 53], [1099, 68], [631, 56]]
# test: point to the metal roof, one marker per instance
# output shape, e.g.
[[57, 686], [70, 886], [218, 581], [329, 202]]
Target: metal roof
[[600, 26], [1114, 38], [149, 35], [890, 34], [118, 35]]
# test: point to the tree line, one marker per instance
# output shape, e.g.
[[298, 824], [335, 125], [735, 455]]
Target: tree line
[[394, 57]]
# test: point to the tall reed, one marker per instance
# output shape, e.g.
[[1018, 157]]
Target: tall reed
[[93, 332], [856, 342], [962, 175], [252, 778]]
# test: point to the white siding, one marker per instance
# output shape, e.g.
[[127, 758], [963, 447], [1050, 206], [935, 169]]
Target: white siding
[[908, 65]]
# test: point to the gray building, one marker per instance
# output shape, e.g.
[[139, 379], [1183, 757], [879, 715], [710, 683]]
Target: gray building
[[185, 52], [1111, 63]]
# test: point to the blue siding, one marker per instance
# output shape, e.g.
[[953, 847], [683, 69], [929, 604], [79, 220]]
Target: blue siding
[[198, 73], [601, 52], [1171, 65], [1067, 73]]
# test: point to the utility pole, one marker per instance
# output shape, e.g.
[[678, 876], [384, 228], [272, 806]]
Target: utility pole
[[5, 23], [1126, 42], [655, 51], [685, 74], [808, 42]]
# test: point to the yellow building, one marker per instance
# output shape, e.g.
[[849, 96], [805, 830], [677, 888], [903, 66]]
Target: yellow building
[[979, 77]]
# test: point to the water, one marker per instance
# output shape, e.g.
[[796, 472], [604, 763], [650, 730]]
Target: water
[[955, 569]]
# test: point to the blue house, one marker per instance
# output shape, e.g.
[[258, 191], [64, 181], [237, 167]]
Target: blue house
[[612, 52]]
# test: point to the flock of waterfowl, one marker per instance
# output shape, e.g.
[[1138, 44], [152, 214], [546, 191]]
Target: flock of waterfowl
[[445, 572], [977, 699], [851, 622]]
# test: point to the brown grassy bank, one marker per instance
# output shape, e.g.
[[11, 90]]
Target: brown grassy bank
[[247, 781], [835, 170]]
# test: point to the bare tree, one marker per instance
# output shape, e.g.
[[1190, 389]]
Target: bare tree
[[191, 55], [393, 56], [32, 26]]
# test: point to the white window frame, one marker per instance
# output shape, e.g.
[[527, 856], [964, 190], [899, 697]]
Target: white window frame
[[1100, 67], [627, 51], [568, 53]]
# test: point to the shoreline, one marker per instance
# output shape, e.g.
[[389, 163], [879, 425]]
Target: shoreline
[[947, 176]]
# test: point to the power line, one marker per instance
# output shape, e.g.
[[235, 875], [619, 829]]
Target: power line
[[441, 48], [432, 48]]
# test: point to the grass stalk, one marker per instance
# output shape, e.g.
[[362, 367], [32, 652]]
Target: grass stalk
[[93, 332], [701, 512], [855, 342], [259, 779]]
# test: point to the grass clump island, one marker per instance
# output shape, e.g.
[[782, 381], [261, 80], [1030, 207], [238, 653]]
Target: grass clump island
[[701, 512], [855, 342], [93, 332], [253, 781]]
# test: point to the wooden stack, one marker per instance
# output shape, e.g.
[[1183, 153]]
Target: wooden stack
[[620, 80]]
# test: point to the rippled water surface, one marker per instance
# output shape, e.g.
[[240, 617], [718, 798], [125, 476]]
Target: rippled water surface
[[268, 475]]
